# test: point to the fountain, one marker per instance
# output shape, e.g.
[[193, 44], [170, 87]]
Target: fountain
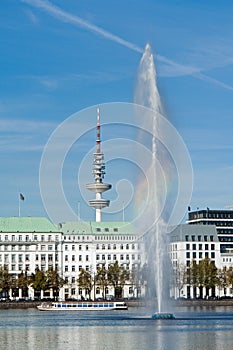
[[147, 94]]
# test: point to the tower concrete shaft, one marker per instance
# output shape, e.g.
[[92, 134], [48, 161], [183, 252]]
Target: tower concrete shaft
[[98, 171]]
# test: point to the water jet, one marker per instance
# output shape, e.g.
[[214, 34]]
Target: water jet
[[156, 238]]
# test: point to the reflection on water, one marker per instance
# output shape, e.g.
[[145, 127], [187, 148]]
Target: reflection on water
[[192, 329]]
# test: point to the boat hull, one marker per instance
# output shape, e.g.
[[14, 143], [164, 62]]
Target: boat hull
[[88, 306]]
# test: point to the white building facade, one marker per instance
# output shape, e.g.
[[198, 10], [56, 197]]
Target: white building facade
[[27, 244]]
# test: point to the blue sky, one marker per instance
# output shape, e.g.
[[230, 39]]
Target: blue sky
[[60, 57]]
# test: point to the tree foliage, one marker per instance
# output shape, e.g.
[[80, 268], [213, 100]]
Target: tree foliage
[[117, 277]]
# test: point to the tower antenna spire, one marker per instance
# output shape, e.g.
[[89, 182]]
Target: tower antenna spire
[[98, 171]]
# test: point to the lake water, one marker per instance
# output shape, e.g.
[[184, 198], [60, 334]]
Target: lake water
[[193, 329]]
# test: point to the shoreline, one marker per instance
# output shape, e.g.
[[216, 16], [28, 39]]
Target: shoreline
[[177, 303]]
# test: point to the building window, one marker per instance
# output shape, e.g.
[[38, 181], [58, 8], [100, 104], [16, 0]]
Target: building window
[[73, 279], [200, 255], [109, 246], [66, 257], [122, 257], [66, 268], [103, 246], [187, 246], [199, 238], [200, 247], [80, 258], [114, 257], [193, 238], [206, 247], [114, 246], [109, 256], [186, 238], [212, 255], [80, 247], [73, 268], [194, 255], [194, 246], [121, 246], [66, 247], [103, 257], [212, 246], [73, 247], [187, 255], [205, 238], [87, 257]]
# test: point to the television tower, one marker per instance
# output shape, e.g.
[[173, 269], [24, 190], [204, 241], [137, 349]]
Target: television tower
[[99, 171]]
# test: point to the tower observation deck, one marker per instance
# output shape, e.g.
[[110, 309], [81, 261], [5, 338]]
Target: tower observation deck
[[98, 171]]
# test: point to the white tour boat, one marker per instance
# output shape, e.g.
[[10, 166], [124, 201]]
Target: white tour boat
[[83, 306]]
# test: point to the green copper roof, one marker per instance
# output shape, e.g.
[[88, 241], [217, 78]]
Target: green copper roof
[[97, 228], [26, 224], [42, 224]]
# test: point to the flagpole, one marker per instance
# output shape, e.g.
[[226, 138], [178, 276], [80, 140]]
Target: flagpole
[[19, 204]]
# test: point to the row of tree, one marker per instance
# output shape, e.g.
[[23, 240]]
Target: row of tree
[[115, 276], [39, 280], [202, 275]]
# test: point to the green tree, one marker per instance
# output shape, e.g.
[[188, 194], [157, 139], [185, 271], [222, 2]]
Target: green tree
[[101, 278], [38, 280], [221, 279], [54, 281], [230, 277], [23, 282], [5, 280], [207, 274], [85, 280], [117, 277]]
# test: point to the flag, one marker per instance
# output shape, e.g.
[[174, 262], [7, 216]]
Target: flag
[[21, 197]]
